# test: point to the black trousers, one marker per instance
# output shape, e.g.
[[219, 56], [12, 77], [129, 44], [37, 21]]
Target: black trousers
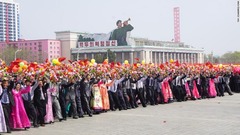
[[134, 91], [221, 89], [121, 99], [112, 104], [73, 105], [31, 111], [86, 103], [204, 91], [237, 87], [150, 95], [161, 97], [178, 93], [140, 95], [199, 90], [156, 96], [63, 105], [131, 100], [116, 100], [126, 98], [7, 112], [41, 112], [79, 104], [228, 89], [184, 93], [217, 89]]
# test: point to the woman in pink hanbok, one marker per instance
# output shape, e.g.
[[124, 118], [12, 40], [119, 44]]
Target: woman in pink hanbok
[[188, 91], [19, 118], [166, 91], [211, 88], [195, 92], [49, 112]]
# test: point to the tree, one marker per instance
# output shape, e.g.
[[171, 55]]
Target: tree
[[231, 57], [99, 58], [83, 39], [111, 56], [8, 54]]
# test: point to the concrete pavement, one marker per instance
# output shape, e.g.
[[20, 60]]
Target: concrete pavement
[[216, 116]]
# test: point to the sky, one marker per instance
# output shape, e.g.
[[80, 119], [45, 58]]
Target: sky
[[208, 24]]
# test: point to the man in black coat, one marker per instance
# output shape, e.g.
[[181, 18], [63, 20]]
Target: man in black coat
[[71, 96], [149, 89], [40, 100], [85, 93]]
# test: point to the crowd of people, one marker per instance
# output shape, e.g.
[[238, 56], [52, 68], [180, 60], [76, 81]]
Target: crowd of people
[[33, 94]]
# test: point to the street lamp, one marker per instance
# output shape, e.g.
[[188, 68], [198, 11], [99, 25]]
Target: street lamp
[[107, 55], [18, 50]]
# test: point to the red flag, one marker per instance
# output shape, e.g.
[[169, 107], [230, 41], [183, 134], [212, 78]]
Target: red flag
[[177, 63], [61, 59], [70, 61], [46, 61], [137, 59], [161, 66]]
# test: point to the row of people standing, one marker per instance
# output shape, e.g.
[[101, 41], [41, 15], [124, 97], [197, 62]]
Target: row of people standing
[[39, 100]]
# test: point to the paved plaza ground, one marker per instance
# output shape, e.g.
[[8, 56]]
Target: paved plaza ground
[[218, 116]]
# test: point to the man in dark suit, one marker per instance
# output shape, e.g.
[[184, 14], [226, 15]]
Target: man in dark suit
[[7, 101], [149, 89], [85, 93], [71, 96], [40, 100]]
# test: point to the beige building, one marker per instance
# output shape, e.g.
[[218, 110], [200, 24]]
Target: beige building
[[142, 48], [68, 41]]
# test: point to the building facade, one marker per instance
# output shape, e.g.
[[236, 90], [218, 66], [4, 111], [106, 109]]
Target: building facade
[[9, 20], [151, 51], [68, 41], [37, 50]]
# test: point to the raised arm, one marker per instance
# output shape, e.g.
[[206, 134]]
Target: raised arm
[[25, 90], [128, 27], [120, 80], [34, 87], [144, 78], [109, 84]]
